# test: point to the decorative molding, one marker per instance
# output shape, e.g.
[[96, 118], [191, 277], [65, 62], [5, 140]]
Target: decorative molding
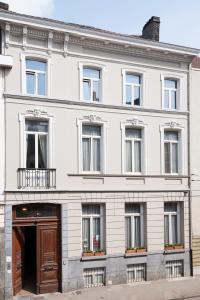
[[66, 40], [37, 113], [50, 42], [7, 35], [172, 124], [93, 118], [135, 122], [24, 40]]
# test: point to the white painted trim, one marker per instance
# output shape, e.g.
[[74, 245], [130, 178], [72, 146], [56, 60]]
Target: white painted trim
[[103, 124], [182, 143], [180, 90], [36, 55], [101, 68], [31, 115], [144, 159]]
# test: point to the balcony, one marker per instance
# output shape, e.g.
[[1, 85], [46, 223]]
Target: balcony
[[36, 178]]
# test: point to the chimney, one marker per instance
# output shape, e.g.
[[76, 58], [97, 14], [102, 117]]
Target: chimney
[[151, 30], [4, 6]]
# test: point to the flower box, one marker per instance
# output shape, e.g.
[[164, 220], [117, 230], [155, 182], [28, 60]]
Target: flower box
[[131, 250], [169, 247], [89, 253], [173, 247], [99, 253], [140, 250], [178, 246]]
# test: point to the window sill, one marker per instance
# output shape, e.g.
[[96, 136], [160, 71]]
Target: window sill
[[136, 254], [87, 258], [174, 251]]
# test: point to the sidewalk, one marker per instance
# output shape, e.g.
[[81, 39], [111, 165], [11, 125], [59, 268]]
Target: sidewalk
[[182, 288]]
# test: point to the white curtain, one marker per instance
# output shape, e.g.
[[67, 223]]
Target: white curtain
[[128, 241], [174, 158], [137, 242], [42, 151], [86, 148], [166, 228], [128, 156], [96, 155], [96, 234], [174, 229], [137, 156], [86, 233], [167, 157]]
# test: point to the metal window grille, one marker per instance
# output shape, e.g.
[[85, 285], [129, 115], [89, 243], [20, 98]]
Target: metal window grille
[[174, 268], [94, 277], [136, 273]]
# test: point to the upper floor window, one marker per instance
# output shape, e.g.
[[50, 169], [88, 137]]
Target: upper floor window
[[170, 93], [134, 225], [133, 150], [36, 81], [171, 152], [91, 84], [36, 144], [171, 223], [132, 87], [91, 148]]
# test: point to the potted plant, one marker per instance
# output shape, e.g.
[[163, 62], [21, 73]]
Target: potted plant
[[140, 249], [88, 253], [131, 250], [178, 246], [169, 247], [99, 252]]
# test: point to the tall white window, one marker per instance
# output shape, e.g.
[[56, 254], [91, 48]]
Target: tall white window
[[36, 144], [92, 227], [36, 77], [171, 152], [172, 223], [132, 86], [91, 148], [91, 84], [134, 225], [133, 150], [170, 94]]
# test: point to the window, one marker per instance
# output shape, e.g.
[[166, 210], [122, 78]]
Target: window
[[171, 152], [132, 89], [172, 223], [36, 144], [136, 273], [91, 148], [94, 277], [133, 150], [91, 84], [134, 225], [92, 227], [174, 268], [36, 81], [170, 94]]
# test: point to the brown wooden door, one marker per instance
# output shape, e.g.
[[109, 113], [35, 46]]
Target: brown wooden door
[[18, 257], [48, 258]]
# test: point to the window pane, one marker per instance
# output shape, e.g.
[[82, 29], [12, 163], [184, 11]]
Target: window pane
[[91, 130], [128, 232], [136, 95], [173, 99], [174, 158], [42, 151], [166, 233], [171, 135], [96, 234], [86, 148], [137, 242], [128, 94], [170, 207], [96, 155], [131, 78], [30, 151], [170, 84], [91, 209], [87, 89], [86, 234], [42, 84], [95, 91], [166, 99], [91, 73], [132, 208], [167, 158], [35, 65], [38, 126], [174, 229], [137, 156], [133, 133], [30, 83], [128, 156]]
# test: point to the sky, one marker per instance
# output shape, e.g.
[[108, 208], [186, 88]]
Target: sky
[[180, 19]]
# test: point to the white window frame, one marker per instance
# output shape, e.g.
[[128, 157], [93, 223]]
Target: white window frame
[[144, 146], [133, 215], [37, 57], [142, 85], [91, 217], [179, 91], [95, 66], [170, 214], [171, 143], [173, 126], [103, 144], [30, 115]]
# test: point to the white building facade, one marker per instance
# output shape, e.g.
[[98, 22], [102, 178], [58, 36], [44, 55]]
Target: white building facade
[[97, 175]]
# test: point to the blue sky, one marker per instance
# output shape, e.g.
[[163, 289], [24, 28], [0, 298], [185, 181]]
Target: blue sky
[[180, 20]]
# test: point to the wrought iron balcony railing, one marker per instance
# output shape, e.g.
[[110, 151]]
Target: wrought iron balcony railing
[[36, 178]]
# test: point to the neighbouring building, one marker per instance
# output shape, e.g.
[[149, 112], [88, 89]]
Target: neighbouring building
[[97, 169]]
